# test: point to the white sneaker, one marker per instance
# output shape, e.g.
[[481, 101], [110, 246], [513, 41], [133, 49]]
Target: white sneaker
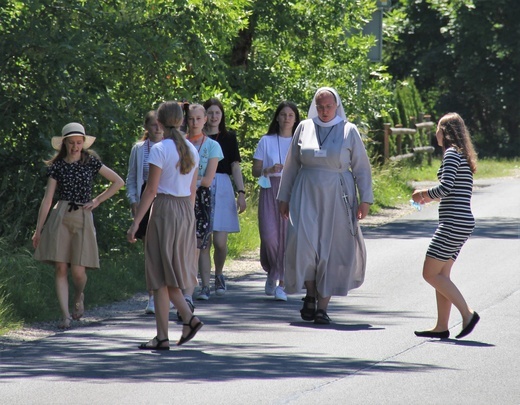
[[150, 307], [279, 294], [270, 286]]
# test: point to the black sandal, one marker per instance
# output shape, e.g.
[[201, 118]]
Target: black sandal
[[308, 312], [157, 346], [192, 309], [321, 317], [193, 331]]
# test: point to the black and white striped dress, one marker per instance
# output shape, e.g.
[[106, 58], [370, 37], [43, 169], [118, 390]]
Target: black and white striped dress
[[456, 221]]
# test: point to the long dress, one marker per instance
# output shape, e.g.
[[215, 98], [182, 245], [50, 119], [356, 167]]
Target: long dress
[[325, 171]]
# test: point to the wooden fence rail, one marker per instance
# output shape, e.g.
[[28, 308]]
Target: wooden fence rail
[[419, 134]]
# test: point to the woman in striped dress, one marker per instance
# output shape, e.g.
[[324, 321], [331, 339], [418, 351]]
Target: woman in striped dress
[[456, 223]]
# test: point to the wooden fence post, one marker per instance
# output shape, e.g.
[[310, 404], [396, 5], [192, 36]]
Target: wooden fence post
[[386, 142]]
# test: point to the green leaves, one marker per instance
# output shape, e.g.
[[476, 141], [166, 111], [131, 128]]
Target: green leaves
[[106, 64]]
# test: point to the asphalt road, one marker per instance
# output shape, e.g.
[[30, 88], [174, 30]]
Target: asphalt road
[[253, 350]]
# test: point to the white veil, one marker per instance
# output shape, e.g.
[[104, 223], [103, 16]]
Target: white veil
[[340, 112]]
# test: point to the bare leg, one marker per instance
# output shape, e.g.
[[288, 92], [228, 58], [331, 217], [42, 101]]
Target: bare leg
[[162, 310], [204, 262], [311, 288], [79, 279], [180, 303], [62, 291], [323, 302], [437, 274], [220, 245]]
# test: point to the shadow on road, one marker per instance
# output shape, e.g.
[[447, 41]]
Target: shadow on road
[[493, 228], [244, 322]]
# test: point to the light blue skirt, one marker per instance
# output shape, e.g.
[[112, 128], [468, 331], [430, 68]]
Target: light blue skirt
[[225, 214]]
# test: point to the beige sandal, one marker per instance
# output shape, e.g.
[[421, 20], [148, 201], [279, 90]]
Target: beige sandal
[[65, 323], [79, 308]]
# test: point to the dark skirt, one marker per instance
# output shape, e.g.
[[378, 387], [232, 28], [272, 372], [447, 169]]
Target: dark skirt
[[203, 214], [141, 231]]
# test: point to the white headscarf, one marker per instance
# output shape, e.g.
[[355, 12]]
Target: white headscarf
[[340, 112]]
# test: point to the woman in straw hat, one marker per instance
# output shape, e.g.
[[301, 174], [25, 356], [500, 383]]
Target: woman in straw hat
[[68, 237]]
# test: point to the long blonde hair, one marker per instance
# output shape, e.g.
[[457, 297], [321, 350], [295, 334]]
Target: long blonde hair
[[169, 114], [455, 134]]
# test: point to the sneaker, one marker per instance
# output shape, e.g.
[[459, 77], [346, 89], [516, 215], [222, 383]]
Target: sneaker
[[150, 307], [190, 304], [203, 294], [220, 285], [270, 285], [279, 294]]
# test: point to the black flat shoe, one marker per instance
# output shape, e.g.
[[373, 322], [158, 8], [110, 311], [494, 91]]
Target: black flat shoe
[[321, 317], [309, 308], [154, 344], [193, 331], [435, 335], [469, 327]]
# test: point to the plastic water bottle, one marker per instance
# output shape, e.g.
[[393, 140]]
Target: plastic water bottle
[[416, 205]]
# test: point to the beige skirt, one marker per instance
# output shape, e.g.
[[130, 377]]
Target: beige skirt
[[171, 244], [68, 237]]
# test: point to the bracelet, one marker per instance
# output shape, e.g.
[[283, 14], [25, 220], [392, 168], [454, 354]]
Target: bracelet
[[241, 192]]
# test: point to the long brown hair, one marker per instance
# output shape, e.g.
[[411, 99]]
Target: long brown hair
[[222, 126], [62, 154], [169, 114], [455, 134], [150, 115]]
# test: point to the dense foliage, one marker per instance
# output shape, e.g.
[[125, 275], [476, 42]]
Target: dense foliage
[[105, 64], [464, 57]]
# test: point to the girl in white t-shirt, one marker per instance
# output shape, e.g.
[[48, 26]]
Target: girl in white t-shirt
[[268, 162], [171, 245]]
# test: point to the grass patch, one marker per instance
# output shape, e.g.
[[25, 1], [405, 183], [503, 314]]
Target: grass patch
[[27, 291], [248, 238]]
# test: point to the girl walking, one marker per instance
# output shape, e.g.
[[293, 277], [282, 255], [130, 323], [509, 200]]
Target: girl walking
[[68, 237]]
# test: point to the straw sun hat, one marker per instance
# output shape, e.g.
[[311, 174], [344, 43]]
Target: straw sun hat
[[72, 129]]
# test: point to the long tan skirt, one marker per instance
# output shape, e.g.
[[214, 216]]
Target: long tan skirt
[[171, 244], [68, 237]]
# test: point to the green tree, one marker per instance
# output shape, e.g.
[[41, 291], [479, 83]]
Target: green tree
[[464, 57], [105, 64]]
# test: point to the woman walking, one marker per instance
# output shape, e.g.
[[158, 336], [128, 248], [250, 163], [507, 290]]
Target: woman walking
[[170, 251], [268, 162], [456, 223], [68, 237], [327, 168]]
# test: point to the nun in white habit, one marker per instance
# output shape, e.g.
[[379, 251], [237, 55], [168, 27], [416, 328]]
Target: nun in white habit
[[326, 171]]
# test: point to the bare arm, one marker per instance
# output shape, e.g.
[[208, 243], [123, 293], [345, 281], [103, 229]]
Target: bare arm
[[116, 183], [236, 172], [211, 169], [257, 167], [193, 188], [45, 207]]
